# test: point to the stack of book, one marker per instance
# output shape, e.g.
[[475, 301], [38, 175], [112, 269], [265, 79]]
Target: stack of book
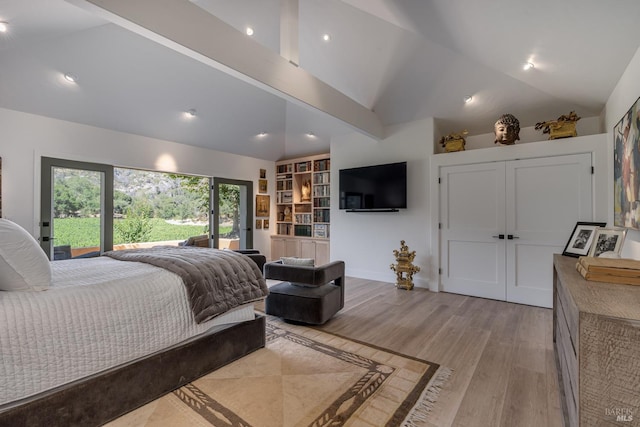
[[611, 270]]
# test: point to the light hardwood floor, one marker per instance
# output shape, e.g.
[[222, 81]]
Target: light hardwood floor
[[501, 353]]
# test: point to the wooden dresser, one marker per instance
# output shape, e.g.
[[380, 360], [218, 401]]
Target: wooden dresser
[[596, 331]]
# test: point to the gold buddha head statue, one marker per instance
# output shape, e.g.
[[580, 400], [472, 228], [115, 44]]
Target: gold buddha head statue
[[507, 130]]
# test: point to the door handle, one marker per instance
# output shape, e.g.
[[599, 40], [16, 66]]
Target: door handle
[[499, 236], [511, 237]]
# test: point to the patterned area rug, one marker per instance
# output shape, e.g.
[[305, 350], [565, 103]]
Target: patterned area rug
[[304, 377]]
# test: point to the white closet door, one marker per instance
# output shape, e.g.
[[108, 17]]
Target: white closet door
[[472, 204], [545, 198]]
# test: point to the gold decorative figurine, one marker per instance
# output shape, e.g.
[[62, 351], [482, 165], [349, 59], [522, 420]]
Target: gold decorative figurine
[[454, 141], [305, 191], [404, 268], [564, 127]]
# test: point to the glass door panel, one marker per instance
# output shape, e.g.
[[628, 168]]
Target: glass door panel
[[75, 215], [159, 209], [232, 214]]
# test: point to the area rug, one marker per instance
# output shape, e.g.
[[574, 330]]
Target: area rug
[[303, 377]]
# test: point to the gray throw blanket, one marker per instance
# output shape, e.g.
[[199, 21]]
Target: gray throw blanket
[[216, 280]]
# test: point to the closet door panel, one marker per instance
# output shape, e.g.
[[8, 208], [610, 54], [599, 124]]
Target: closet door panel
[[545, 198], [473, 212]]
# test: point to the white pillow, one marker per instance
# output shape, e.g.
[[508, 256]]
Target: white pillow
[[23, 264], [305, 262]]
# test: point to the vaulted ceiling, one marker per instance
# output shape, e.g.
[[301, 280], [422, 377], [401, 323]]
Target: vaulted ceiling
[[396, 60]]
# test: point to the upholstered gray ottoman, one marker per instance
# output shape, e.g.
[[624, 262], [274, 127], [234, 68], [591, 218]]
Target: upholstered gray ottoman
[[309, 295]]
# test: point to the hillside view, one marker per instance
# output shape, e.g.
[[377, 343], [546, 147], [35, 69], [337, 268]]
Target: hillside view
[[148, 207]]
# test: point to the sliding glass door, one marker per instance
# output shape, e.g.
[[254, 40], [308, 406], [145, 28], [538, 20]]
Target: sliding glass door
[[76, 208], [90, 208]]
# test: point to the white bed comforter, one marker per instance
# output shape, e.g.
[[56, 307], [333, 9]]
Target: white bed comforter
[[99, 313]]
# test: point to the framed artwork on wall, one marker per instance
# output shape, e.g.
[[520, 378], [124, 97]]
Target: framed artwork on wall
[[266, 224], [626, 169], [582, 238], [258, 224], [262, 186], [263, 173], [263, 205]]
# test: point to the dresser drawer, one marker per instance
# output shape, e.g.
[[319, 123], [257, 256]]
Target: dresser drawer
[[569, 315], [568, 366]]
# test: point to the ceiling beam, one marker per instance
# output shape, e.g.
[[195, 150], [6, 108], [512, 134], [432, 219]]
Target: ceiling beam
[[187, 28], [289, 18]]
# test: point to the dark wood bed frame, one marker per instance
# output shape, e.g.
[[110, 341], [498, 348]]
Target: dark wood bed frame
[[102, 398]]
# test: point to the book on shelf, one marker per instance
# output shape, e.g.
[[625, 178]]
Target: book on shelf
[[322, 215], [302, 208], [302, 230], [303, 218], [284, 197], [321, 165], [284, 229], [321, 191], [303, 167], [283, 169], [321, 178], [321, 230], [321, 202], [284, 185]]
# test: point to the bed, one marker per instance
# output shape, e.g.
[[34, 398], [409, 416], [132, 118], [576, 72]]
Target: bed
[[108, 335]]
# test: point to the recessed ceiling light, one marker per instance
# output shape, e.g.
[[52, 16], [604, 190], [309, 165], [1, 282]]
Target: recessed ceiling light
[[527, 66], [468, 99], [262, 134], [249, 31], [3, 27], [70, 77], [190, 113], [326, 37], [311, 135]]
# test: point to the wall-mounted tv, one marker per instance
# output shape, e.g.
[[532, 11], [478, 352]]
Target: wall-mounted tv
[[374, 188]]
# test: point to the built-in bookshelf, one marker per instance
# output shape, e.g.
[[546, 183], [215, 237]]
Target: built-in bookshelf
[[303, 197], [303, 203]]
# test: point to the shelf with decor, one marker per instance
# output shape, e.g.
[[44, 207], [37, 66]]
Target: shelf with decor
[[303, 204]]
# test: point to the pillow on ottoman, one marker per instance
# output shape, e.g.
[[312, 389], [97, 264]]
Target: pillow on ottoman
[[299, 262], [23, 264], [302, 262]]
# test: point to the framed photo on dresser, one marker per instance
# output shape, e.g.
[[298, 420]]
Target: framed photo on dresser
[[582, 238], [608, 242]]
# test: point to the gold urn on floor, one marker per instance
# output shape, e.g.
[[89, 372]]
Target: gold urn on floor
[[404, 267]]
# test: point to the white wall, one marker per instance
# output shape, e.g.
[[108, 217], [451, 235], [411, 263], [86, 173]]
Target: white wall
[[24, 138], [621, 99], [365, 241]]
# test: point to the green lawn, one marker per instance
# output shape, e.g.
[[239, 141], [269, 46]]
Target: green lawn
[[84, 232]]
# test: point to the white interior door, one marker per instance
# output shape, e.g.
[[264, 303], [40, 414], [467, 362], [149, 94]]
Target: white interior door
[[545, 198], [472, 212]]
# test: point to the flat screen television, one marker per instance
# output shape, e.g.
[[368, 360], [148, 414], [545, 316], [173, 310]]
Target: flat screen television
[[374, 188]]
